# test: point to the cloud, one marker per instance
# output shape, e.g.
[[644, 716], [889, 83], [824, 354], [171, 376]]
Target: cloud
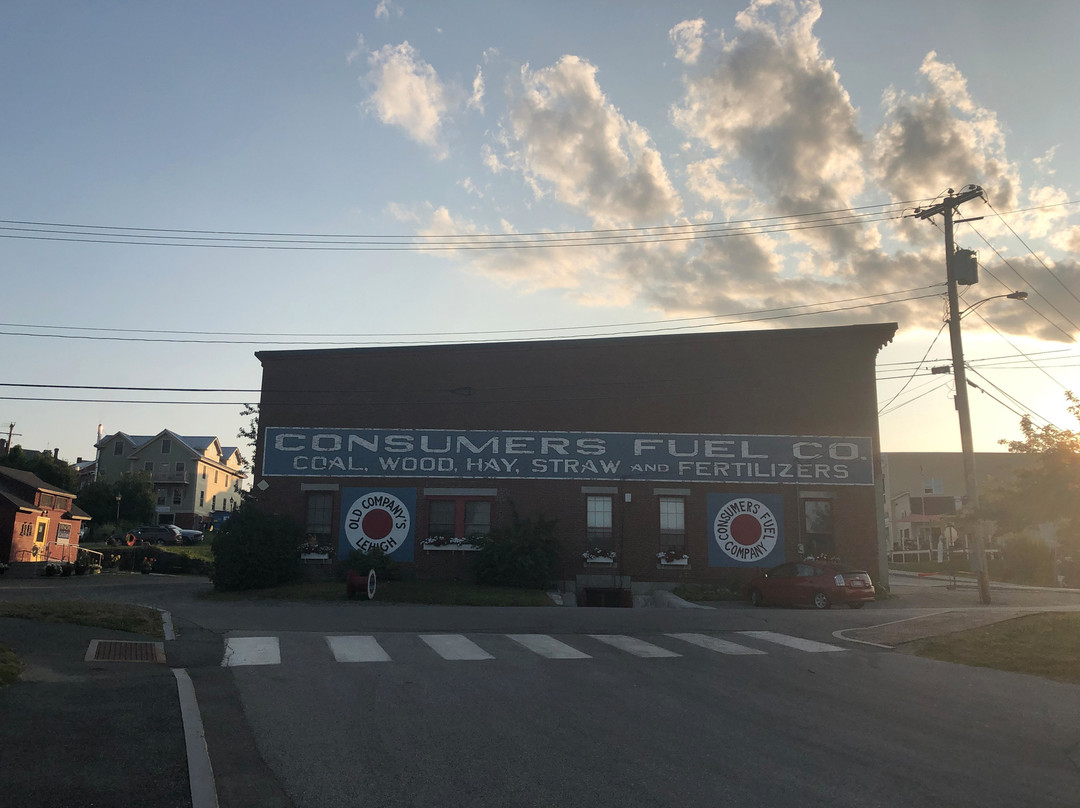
[[387, 7], [774, 106], [941, 139], [1043, 163], [571, 141], [408, 93], [688, 41], [476, 100], [768, 131]]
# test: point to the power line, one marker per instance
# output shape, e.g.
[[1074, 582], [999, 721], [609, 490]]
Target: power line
[[439, 342], [1033, 253], [550, 329], [623, 232], [929, 348]]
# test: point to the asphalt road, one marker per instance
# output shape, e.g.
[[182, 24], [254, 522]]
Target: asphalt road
[[860, 726]]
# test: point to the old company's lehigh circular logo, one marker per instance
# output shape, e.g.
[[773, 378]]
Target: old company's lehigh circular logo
[[745, 529], [377, 520]]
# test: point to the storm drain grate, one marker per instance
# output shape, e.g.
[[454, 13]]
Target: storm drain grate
[[125, 651]]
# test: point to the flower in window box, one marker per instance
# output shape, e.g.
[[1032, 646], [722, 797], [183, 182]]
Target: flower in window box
[[441, 541], [310, 549], [597, 554], [671, 557]]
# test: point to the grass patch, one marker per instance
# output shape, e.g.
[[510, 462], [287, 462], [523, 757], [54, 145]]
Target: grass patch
[[10, 666], [116, 616], [444, 593], [1046, 645]]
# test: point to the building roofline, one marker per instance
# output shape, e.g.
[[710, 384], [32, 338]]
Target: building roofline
[[883, 332]]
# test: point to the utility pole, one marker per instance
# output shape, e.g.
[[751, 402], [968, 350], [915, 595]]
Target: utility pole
[[946, 208]]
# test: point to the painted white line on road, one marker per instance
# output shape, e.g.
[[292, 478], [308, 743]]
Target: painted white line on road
[[357, 649], [251, 651], [798, 643], [716, 644], [200, 771], [548, 647], [167, 625], [632, 645], [455, 647]]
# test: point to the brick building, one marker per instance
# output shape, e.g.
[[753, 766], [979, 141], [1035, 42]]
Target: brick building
[[38, 521], [664, 459]]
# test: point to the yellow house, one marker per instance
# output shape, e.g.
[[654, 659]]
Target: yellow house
[[194, 476]]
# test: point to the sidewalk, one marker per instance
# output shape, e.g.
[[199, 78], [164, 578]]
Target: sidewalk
[[955, 609], [77, 733]]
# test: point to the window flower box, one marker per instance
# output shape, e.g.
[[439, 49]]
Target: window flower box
[[673, 559], [599, 556], [309, 551], [452, 543]]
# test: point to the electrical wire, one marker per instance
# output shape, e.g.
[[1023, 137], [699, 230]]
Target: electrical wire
[[470, 333], [929, 348], [1032, 252], [1016, 401], [441, 342], [1029, 284]]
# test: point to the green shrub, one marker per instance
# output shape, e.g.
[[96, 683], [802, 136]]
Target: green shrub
[[1025, 561], [386, 569], [524, 555], [254, 550]]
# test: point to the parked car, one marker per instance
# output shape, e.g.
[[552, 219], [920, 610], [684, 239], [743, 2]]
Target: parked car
[[190, 536], [811, 583], [155, 534]]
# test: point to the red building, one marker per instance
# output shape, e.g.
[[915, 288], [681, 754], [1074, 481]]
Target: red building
[[664, 459], [38, 522]]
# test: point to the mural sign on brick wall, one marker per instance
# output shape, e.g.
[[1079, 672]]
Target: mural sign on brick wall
[[476, 454], [378, 519], [745, 531]]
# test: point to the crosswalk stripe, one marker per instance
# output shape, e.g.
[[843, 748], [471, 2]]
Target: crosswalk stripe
[[455, 647], [715, 644], [251, 651], [632, 645], [799, 643], [548, 647], [348, 648]]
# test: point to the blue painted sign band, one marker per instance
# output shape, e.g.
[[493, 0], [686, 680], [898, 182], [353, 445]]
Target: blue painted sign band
[[457, 454]]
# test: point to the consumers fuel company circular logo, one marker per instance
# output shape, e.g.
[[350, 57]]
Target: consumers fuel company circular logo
[[745, 529]]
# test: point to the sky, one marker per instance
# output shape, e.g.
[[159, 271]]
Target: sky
[[184, 184]]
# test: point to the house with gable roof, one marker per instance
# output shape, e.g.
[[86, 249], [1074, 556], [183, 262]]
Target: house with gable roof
[[38, 521], [193, 476]]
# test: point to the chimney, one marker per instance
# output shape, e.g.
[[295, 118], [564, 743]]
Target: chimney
[[56, 453]]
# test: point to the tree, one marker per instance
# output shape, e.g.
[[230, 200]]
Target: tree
[[137, 499], [1048, 490], [51, 470], [255, 549], [250, 433]]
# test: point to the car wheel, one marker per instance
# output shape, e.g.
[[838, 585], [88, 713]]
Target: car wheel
[[756, 598], [855, 605], [821, 600]]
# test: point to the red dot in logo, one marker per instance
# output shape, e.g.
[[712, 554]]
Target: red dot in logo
[[377, 524], [745, 529]]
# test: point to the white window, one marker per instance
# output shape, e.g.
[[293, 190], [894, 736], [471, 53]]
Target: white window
[[320, 515], [598, 521], [672, 524], [166, 445]]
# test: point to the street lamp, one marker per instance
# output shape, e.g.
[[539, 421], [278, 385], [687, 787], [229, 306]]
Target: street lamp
[[1010, 296], [118, 508]]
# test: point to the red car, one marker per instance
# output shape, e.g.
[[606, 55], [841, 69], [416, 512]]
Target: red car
[[812, 583]]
